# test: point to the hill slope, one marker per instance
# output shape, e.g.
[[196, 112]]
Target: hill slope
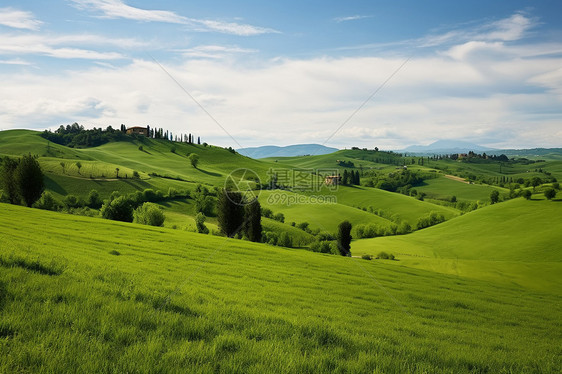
[[83, 294], [518, 241]]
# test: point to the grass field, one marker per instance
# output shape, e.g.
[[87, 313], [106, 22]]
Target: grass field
[[90, 295], [517, 242], [445, 188]]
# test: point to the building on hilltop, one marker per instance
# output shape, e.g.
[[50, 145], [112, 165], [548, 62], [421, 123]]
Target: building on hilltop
[[137, 130], [332, 180]]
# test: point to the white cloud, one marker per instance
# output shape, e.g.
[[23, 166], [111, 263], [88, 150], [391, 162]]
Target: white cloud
[[118, 9], [18, 19], [50, 46], [350, 18], [16, 61], [214, 51]]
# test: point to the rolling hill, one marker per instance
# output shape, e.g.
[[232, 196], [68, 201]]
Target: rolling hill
[[85, 294], [287, 151]]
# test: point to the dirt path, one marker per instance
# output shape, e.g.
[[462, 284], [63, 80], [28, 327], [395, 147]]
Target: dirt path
[[455, 178]]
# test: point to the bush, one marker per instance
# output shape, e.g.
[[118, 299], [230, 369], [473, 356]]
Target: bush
[[321, 246], [94, 201], [385, 256], [550, 193], [367, 257], [118, 209], [71, 201], [47, 202], [285, 240], [149, 214], [136, 174], [432, 219], [279, 217], [200, 223]]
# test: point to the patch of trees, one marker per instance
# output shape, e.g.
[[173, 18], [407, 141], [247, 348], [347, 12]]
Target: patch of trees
[[237, 217], [351, 178], [399, 181], [345, 164], [76, 136], [21, 180], [432, 219]]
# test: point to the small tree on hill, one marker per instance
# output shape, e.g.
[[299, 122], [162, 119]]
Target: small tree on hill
[[527, 194], [230, 212], [494, 196], [118, 209], [550, 193], [344, 238], [79, 166], [194, 159], [252, 221], [149, 214], [29, 179]]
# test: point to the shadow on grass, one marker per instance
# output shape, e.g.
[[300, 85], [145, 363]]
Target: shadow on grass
[[50, 184]]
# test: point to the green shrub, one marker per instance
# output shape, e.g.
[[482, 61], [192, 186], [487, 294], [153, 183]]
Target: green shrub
[[385, 256], [149, 214], [200, 224], [71, 201], [47, 202], [285, 240], [432, 219], [118, 209], [367, 257], [94, 200]]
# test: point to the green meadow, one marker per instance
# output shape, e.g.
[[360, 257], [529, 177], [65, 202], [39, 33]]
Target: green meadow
[[477, 293], [91, 295]]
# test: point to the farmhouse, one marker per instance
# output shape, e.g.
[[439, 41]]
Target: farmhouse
[[332, 180], [137, 130]]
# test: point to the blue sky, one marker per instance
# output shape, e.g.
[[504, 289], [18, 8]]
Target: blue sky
[[289, 72]]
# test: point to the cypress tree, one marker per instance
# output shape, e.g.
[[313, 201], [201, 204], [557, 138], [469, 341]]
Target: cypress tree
[[252, 221], [344, 238], [230, 212]]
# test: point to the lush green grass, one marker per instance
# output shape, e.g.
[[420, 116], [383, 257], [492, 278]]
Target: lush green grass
[[320, 214], [517, 241], [89, 295], [393, 205], [444, 188]]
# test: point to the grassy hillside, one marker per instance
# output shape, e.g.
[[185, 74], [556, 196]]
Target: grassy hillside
[[445, 188], [518, 241], [89, 295]]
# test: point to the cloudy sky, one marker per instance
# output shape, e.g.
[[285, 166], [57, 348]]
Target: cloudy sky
[[246, 73]]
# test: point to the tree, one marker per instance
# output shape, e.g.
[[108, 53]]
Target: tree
[[230, 212], [149, 214], [198, 140], [200, 223], [494, 196], [194, 159], [63, 166], [7, 181], [252, 221], [29, 179], [344, 238], [116, 172], [94, 200], [536, 181], [345, 178], [550, 193], [527, 194], [79, 166], [118, 209]]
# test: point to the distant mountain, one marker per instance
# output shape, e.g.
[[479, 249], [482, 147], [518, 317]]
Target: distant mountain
[[288, 151], [446, 146]]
